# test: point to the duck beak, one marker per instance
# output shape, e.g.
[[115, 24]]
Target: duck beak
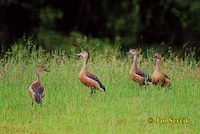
[[78, 54], [154, 56]]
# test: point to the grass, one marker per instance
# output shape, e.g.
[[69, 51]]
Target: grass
[[124, 108]]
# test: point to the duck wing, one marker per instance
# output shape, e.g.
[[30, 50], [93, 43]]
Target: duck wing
[[39, 90], [93, 77], [145, 75], [166, 76]]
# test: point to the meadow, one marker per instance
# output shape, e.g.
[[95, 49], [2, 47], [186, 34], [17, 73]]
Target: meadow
[[124, 108]]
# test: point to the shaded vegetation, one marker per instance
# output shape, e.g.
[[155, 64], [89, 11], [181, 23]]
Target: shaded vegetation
[[130, 23]]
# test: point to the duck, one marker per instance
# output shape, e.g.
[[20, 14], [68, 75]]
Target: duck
[[36, 89], [159, 78], [88, 79], [138, 76]]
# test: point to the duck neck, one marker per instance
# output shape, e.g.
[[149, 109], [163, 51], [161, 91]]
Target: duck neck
[[37, 76], [134, 64], [135, 61], [157, 64], [84, 67]]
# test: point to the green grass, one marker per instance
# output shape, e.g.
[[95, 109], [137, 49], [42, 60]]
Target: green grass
[[124, 108]]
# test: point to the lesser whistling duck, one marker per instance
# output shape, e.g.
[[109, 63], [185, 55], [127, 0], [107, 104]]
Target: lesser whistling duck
[[87, 78], [158, 77], [140, 77], [36, 89]]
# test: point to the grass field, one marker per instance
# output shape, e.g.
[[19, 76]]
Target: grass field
[[124, 108]]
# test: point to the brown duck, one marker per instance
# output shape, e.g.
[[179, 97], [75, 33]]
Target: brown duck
[[36, 89], [87, 78], [138, 76], [158, 78]]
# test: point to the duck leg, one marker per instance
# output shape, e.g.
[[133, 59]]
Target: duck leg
[[41, 104], [32, 104], [92, 92]]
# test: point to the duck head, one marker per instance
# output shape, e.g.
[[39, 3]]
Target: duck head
[[41, 68], [83, 54], [133, 52], [157, 56]]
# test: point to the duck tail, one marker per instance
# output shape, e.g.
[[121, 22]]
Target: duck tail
[[104, 89], [38, 98], [148, 79]]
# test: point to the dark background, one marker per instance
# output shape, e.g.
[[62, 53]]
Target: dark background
[[168, 23]]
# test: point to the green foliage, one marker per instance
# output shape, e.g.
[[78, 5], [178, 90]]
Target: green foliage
[[52, 40], [48, 16], [130, 23], [124, 108], [55, 41], [122, 20], [186, 12]]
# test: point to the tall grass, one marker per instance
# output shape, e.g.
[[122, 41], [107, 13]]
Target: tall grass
[[124, 108]]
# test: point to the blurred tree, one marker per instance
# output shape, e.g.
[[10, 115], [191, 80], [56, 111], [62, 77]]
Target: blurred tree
[[129, 22], [119, 21]]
